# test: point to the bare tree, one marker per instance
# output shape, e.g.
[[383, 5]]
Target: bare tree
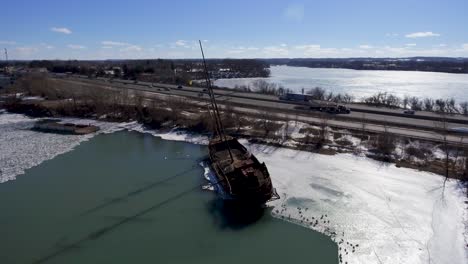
[[429, 104], [177, 105], [323, 132], [363, 128], [416, 104], [317, 93], [287, 132], [440, 106], [465, 172], [464, 108], [405, 101], [266, 118], [227, 116], [442, 126], [385, 143]]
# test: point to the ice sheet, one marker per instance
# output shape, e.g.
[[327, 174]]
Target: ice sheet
[[377, 213]]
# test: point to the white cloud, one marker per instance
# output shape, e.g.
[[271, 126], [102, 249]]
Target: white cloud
[[465, 46], [47, 46], [132, 48], [422, 34], [107, 47], [410, 44], [275, 51], [62, 30], [442, 45], [26, 49], [24, 52], [188, 44], [241, 49], [308, 47], [391, 35], [365, 47], [74, 46], [7, 42], [294, 12], [181, 43], [114, 43]]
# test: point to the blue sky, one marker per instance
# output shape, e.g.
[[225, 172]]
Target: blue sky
[[236, 29]]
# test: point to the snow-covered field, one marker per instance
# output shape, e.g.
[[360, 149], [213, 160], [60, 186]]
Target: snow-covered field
[[377, 213]]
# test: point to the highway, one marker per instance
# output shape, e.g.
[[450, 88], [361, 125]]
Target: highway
[[388, 120]]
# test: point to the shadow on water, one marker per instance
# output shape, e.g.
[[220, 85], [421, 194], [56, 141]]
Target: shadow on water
[[107, 229], [136, 192], [234, 215], [66, 247]]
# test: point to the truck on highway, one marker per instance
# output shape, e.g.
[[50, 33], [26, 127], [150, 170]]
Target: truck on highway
[[327, 107], [294, 97]]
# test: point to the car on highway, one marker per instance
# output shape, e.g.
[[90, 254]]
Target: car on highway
[[463, 130], [409, 112], [179, 87], [343, 109]]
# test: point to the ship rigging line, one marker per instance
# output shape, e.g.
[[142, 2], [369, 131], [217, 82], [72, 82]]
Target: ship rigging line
[[214, 105]]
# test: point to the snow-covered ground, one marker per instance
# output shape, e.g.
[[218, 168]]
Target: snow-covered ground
[[377, 213]]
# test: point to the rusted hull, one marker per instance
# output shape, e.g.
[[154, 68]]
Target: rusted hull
[[243, 178]]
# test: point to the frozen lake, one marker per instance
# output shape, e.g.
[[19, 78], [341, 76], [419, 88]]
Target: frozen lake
[[375, 212], [365, 83]]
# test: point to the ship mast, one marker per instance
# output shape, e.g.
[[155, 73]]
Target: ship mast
[[214, 106]]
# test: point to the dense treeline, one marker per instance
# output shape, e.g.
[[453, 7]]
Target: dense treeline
[[155, 70], [432, 64], [449, 105]]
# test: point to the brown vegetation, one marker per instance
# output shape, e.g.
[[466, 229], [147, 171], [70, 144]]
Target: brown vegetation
[[124, 105]]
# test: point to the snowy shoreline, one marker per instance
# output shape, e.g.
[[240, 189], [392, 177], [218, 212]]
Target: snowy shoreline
[[376, 213]]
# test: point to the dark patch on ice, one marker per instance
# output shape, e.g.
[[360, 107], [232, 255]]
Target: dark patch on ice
[[300, 202], [329, 191]]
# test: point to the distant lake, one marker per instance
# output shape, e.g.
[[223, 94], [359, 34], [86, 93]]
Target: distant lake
[[362, 83]]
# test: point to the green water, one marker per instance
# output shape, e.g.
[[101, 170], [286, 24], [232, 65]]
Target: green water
[[128, 197]]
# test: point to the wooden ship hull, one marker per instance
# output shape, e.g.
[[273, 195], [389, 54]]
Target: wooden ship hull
[[242, 178]]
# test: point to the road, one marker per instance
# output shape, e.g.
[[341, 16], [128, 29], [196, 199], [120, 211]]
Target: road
[[253, 103]]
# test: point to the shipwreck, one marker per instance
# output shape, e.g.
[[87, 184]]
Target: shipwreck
[[237, 173]]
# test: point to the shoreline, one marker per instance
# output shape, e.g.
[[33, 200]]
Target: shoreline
[[315, 139], [290, 200]]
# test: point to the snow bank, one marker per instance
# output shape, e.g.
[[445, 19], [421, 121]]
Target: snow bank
[[377, 213]]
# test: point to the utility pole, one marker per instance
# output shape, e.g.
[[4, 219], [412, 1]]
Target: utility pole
[[6, 60]]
